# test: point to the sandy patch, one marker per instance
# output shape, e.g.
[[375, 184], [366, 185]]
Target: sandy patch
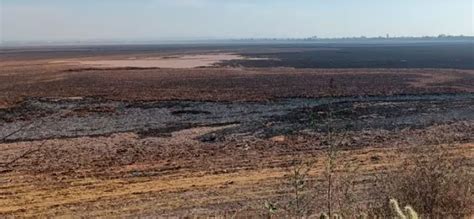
[[182, 61]]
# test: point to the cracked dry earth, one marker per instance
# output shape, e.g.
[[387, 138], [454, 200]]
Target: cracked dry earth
[[97, 157]]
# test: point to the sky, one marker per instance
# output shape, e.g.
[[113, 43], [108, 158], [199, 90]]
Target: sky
[[63, 20]]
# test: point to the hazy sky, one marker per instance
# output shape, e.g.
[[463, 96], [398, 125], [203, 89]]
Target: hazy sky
[[26, 20]]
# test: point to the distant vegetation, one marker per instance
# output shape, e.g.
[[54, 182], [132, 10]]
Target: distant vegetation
[[387, 38]]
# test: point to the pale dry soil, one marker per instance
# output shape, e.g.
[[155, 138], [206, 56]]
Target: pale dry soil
[[177, 61]]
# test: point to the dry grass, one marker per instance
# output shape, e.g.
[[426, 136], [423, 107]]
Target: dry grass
[[432, 180]]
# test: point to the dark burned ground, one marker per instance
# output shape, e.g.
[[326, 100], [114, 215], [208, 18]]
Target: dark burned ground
[[454, 55], [224, 84], [62, 118]]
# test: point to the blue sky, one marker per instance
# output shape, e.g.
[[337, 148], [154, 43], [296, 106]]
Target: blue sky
[[27, 20]]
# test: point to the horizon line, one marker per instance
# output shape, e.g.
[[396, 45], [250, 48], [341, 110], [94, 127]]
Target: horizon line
[[178, 40]]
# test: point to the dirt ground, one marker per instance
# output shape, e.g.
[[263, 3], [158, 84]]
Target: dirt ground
[[85, 141]]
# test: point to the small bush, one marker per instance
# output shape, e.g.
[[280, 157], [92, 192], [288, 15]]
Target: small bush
[[435, 185]]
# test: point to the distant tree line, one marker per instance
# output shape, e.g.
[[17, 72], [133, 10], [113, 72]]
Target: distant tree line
[[387, 37]]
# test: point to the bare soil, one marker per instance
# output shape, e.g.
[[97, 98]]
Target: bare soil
[[101, 142], [184, 61]]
